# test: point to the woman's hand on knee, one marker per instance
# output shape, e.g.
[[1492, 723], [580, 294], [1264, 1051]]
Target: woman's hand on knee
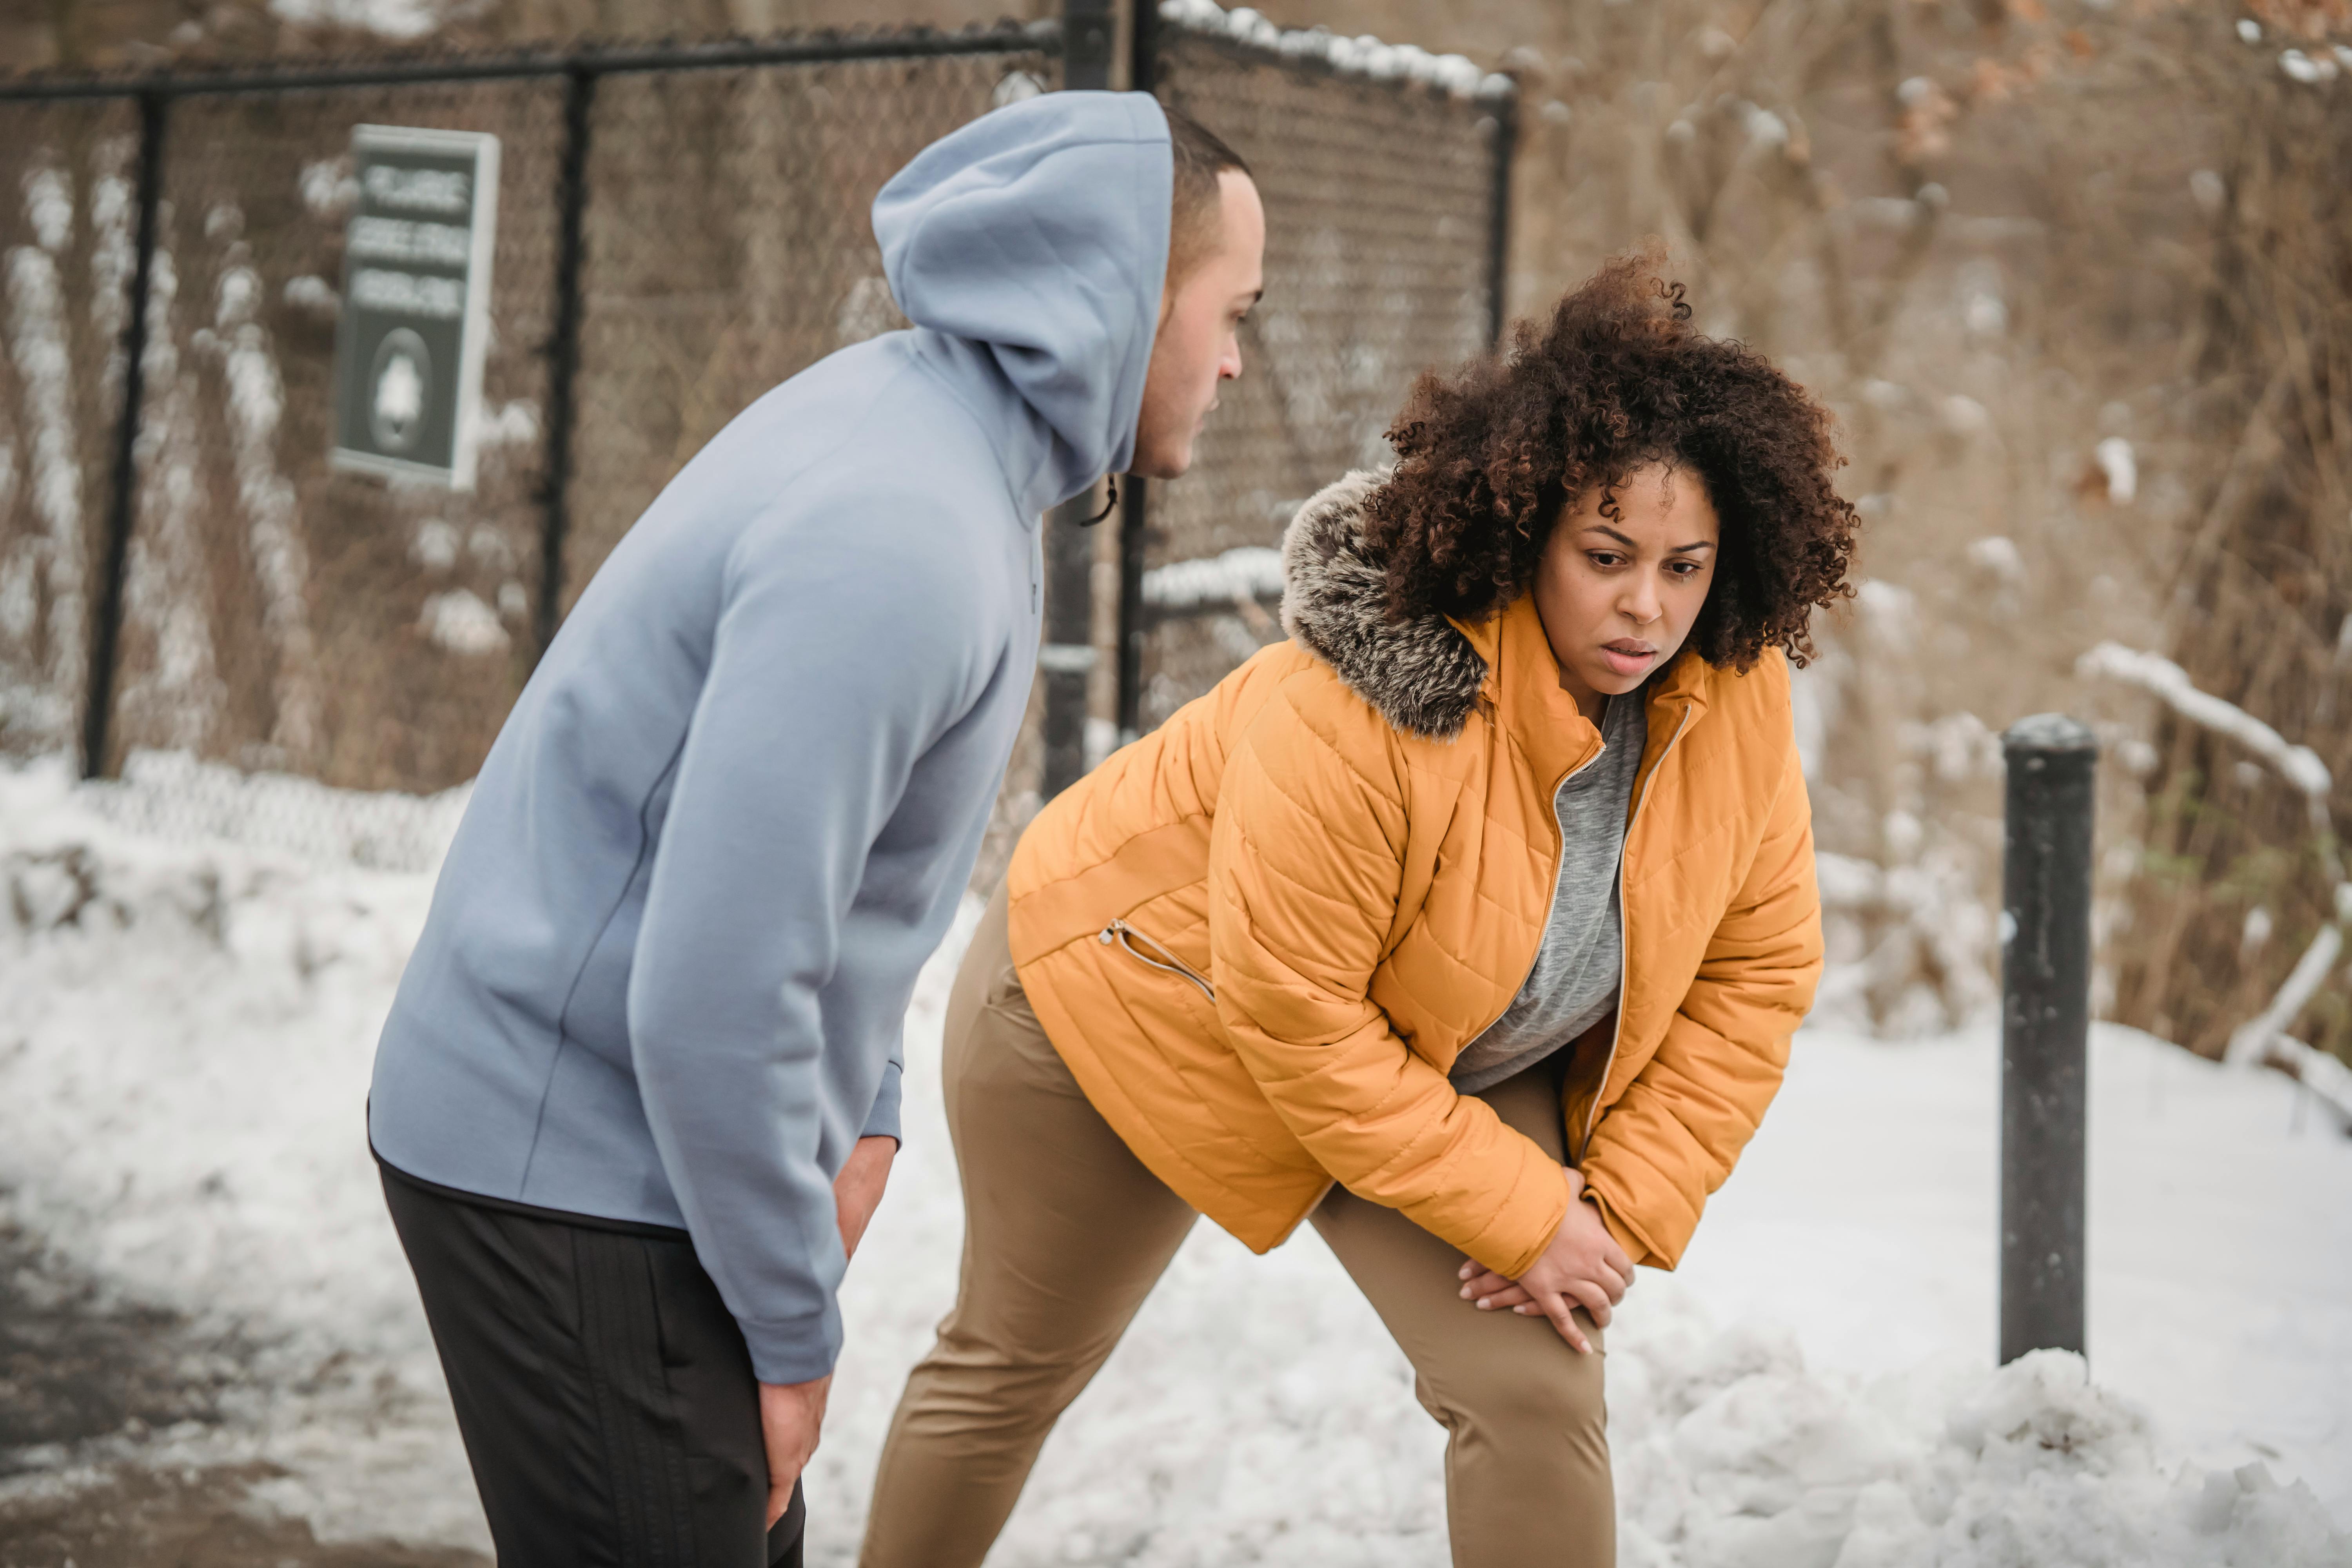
[[1583, 1266]]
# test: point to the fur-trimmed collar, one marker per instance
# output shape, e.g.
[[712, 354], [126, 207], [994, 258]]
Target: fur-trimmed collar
[[1423, 676]]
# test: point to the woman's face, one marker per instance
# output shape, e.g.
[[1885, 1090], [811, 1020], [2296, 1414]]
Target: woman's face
[[1617, 595]]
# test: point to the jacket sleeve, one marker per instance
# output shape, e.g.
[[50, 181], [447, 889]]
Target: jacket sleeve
[[831, 673], [1305, 867], [1672, 1137]]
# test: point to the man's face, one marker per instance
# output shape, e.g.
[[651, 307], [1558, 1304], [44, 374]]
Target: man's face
[[1198, 342]]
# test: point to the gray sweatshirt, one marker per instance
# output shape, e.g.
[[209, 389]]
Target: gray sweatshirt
[[664, 974], [1574, 982]]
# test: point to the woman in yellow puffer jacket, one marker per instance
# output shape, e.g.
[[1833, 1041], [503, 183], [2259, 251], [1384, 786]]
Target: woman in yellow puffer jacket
[[1471, 925]]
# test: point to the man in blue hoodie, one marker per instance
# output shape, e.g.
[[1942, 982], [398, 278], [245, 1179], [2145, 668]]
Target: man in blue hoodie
[[638, 1092]]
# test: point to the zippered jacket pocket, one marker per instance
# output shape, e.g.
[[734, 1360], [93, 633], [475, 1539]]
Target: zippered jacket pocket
[[1120, 933]]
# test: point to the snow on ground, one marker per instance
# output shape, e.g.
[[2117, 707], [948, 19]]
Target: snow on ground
[[186, 1027]]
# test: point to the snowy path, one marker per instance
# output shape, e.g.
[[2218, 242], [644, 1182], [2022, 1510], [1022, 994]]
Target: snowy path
[[184, 1036]]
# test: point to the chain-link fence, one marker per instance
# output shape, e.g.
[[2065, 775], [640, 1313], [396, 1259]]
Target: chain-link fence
[[678, 229], [1383, 173]]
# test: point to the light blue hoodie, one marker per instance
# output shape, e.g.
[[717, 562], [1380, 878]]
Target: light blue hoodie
[[730, 815]]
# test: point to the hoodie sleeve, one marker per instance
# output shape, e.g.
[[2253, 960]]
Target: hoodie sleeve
[[836, 663], [882, 1122]]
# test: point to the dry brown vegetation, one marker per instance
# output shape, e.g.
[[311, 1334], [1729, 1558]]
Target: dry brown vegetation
[[2075, 279], [2077, 275]]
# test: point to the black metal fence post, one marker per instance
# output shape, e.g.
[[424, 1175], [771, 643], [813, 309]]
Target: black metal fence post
[[1498, 232], [1066, 664], [1067, 661], [1134, 537], [106, 624], [563, 346], [1135, 496], [2044, 1031]]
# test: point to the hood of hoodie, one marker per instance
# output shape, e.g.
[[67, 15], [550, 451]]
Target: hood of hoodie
[[1035, 240]]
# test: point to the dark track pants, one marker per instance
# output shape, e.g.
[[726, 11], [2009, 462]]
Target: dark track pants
[[604, 1391]]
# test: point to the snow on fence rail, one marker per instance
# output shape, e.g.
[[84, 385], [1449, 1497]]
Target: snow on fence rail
[[1364, 56], [1247, 575]]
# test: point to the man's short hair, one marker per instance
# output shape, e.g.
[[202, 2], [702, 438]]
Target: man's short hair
[[1196, 226]]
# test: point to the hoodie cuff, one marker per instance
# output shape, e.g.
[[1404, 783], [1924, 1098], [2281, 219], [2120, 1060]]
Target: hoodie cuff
[[882, 1122], [793, 1349]]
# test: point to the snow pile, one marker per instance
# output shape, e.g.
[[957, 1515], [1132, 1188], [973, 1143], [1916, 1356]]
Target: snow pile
[[1729, 1452], [1366, 55], [184, 1056]]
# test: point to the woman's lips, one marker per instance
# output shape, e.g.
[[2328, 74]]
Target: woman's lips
[[1628, 659]]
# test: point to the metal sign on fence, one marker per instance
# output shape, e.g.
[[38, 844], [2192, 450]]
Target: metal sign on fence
[[415, 312]]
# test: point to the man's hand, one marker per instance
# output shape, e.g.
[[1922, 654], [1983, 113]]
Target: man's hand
[[1583, 1266], [790, 1413], [859, 1189]]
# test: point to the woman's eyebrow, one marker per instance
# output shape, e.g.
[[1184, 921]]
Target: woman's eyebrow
[[1621, 539]]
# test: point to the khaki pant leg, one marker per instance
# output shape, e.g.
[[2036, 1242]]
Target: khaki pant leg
[[1064, 1233], [1526, 1452]]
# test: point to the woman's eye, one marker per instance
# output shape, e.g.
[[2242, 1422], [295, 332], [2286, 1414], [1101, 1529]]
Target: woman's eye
[[1604, 559]]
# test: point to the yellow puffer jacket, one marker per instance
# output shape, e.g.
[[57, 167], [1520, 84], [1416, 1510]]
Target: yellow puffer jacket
[[1260, 935]]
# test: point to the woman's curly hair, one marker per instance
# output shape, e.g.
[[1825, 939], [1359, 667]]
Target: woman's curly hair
[[1490, 458]]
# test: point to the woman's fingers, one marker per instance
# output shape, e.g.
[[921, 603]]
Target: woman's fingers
[[1580, 1293], [1591, 1297], [1564, 1318], [1485, 1284], [1510, 1295]]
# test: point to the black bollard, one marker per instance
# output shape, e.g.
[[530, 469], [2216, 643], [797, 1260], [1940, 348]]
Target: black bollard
[[2046, 1022]]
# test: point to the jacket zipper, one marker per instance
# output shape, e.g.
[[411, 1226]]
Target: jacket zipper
[[1624, 943], [1127, 936]]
